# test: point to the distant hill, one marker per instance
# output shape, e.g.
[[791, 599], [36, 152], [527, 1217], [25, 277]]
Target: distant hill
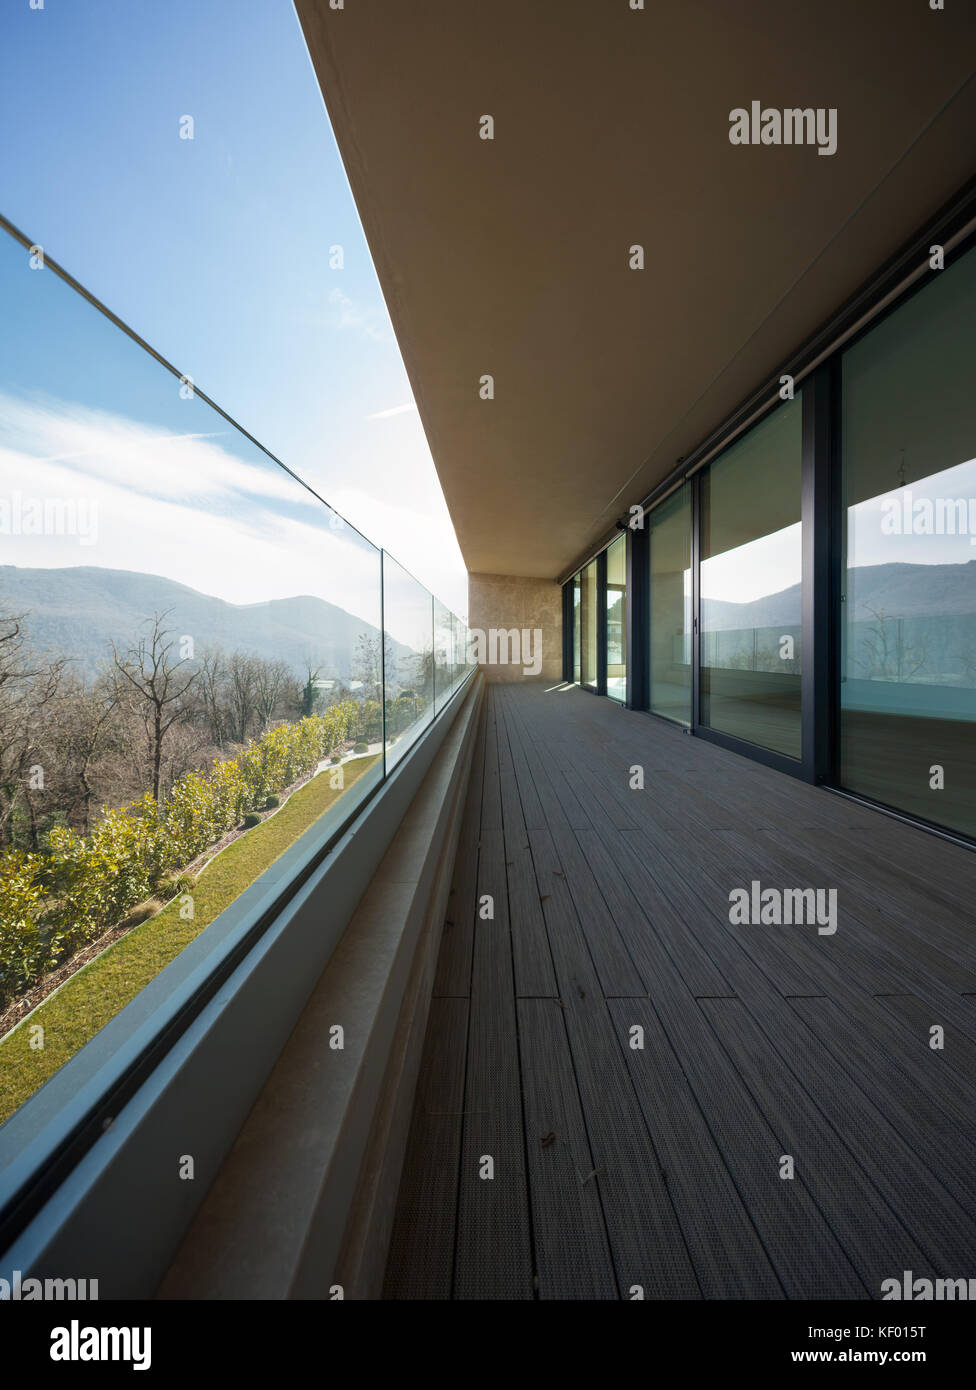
[[899, 591], [79, 611]]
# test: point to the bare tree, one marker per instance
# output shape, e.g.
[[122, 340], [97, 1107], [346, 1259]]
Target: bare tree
[[212, 679], [310, 690], [147, 678], [28, 686], [85, 729], [366, 666], [242, 677], [270, 683], [887, 656]]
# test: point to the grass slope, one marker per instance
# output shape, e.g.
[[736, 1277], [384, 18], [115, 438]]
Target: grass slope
[[88, 1000]]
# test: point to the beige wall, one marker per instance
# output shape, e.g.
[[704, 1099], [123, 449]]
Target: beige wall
[[503, 602]]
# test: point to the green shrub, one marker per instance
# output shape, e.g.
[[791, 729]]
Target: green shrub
[[177, 884], [54, 903], [361, 748], [26, 950], [335, 758]]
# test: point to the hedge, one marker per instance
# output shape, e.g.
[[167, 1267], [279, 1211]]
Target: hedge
[[52, 904]]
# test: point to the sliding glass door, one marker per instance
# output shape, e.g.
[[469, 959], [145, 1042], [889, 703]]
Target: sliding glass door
[[669, 540], [577, 645], [751, 586], [908, 658], [588, 625], [808, 597], [617, 619]]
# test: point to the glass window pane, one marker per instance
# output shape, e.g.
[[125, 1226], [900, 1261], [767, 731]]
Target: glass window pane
[[670, 561], [751, 582], [443, 641], [908, 667], [617, 619], [193, 663], [588, 599], [409, 659]]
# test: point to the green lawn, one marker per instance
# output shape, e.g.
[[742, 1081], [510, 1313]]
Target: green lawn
[[88, 1000]]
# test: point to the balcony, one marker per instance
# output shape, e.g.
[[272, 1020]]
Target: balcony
[[610, 942], [672, 1103]]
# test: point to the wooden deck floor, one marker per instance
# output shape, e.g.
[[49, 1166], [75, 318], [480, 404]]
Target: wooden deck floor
[[616, 1166]]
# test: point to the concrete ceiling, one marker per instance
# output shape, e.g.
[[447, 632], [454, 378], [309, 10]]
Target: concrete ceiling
[[509, 257]]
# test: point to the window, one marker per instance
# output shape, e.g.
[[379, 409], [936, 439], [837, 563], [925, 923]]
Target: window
[[588, 602], [617, 619], [908, 659], [576, 629], [751, 572], [670, 606]]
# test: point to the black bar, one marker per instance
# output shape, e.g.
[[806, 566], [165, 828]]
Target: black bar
[[568, 634], [819, 563]]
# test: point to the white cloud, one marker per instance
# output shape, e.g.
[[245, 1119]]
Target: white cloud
[[178, 506], [154, 462], [370, 323]]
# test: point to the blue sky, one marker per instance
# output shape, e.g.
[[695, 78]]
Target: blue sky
[[216, 249]]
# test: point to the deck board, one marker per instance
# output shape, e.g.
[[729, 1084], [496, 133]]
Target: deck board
[[658, 1166]]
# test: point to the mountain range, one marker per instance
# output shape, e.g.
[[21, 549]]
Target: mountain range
[[80, 611], [897, 590]]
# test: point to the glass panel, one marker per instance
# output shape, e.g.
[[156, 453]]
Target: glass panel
[[751, 573], [458, 635], [470, 656], [409, 659], [190, 668], [908, 668], [588, 600], [617, 619], [670, 561], [577, 646], [443, 643]]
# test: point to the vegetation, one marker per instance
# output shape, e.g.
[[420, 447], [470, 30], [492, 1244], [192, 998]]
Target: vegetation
[[216, 737], [93, 996], [53, 903]]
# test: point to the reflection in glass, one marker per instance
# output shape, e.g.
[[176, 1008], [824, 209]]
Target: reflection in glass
[[670, 561], [908, 667], [588, 625], [751, 586], [617, 619]]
